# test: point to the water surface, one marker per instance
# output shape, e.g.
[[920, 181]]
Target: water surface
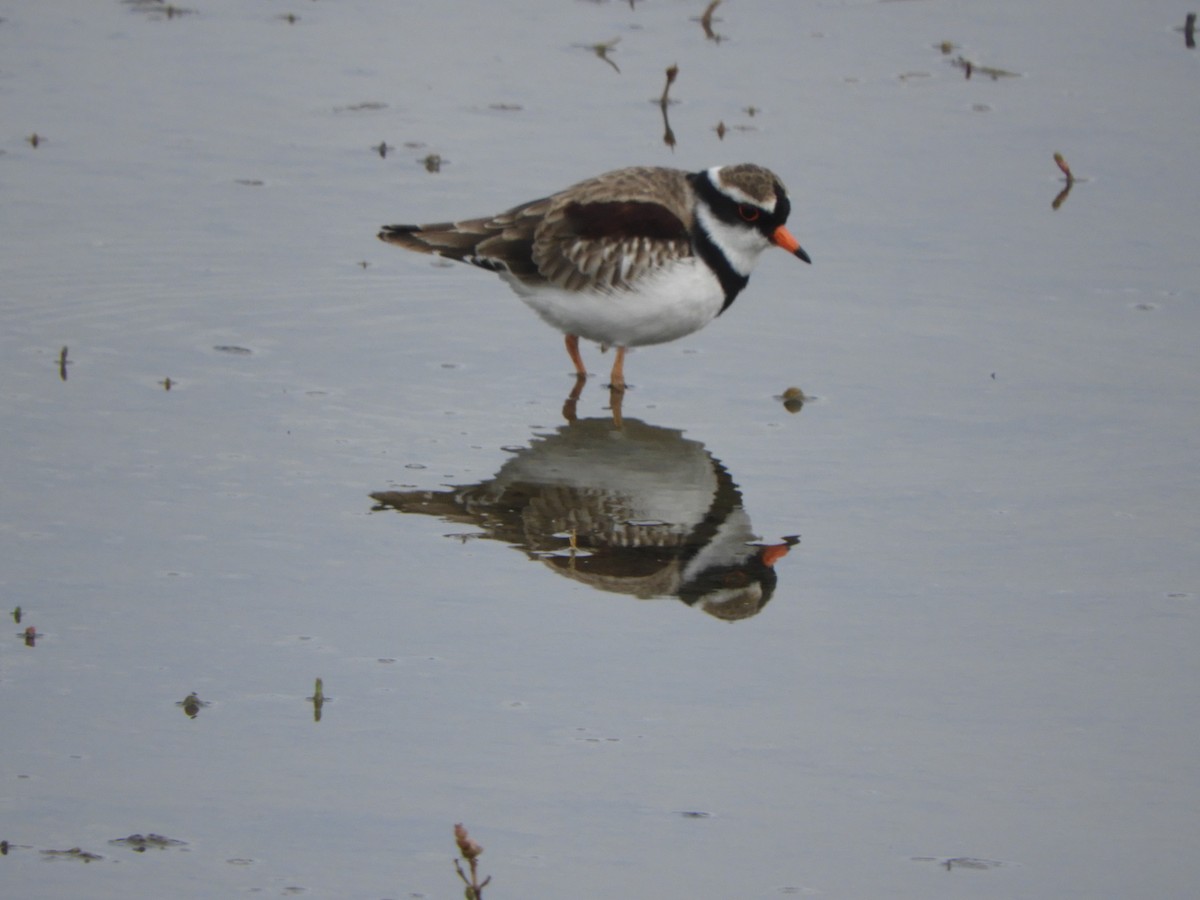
[[978, 663]]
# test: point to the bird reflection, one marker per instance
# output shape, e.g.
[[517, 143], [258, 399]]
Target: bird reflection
[[635, 509]]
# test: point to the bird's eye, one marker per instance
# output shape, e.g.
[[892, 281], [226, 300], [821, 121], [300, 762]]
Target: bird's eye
[[747, 212]]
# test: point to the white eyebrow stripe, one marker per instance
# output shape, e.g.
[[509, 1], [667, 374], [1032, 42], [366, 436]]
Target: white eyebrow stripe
[[736, 194]]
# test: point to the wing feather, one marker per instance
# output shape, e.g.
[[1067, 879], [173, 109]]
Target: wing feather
[[614, 229], [609, 231]]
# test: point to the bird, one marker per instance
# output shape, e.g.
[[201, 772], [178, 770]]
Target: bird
[[636, 256], [642, 510]]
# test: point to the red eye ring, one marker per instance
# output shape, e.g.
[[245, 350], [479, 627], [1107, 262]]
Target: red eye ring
[[748, 212]]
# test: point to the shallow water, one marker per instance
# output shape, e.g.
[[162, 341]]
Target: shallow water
[[978, 663]]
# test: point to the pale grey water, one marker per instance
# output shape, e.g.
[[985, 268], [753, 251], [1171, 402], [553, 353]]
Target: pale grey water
[[983, 649]]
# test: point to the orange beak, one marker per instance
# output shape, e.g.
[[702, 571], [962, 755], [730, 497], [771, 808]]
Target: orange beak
[[783, 238], [774, 553]]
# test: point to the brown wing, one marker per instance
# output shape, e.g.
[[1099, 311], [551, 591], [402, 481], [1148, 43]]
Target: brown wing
[[613, 229], [609, 230]]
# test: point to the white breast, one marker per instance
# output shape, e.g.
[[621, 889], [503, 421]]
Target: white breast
[[669, 303]]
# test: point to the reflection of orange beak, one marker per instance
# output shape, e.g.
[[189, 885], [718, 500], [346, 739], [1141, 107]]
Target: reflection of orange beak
[[783, 238], [774, 553]]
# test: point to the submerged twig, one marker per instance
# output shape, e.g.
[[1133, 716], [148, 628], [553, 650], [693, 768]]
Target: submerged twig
[[470, 851], [706, 21], [672, 73], [664, 101], [1061, 162], [318, 699], [603, 49], [73, 853], [992, 72]]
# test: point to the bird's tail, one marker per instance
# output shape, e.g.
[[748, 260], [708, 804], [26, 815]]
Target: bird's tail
[[455, 240]]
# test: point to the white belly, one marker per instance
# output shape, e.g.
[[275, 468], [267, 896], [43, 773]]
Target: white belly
[[662, 307]]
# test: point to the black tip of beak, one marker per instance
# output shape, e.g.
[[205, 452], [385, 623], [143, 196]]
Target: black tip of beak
[[804, 256]]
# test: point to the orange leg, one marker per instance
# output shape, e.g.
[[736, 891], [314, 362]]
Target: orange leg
[[572, 401], [615, 399], [573, 352], [618, 371], [580, 377]]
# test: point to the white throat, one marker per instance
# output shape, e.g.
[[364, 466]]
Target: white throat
[[741, 244]]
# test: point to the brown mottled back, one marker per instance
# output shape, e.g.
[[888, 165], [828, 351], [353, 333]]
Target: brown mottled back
[[565, 240]]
